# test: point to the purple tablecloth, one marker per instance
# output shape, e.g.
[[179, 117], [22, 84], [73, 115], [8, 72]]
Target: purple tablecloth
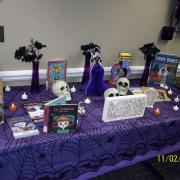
[[95, 144]]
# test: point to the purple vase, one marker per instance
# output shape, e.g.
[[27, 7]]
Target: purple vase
[[86, 72], [35, 77], [144, 78]]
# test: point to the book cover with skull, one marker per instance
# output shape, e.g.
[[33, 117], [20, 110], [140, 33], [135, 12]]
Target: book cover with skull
[[163, 69], [61, 119], [22, 127]]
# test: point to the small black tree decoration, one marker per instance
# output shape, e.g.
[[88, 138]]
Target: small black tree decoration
[[149, 50], [31, 53], [88, 51]]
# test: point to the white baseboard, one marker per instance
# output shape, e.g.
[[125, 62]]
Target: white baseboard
[[71, 72]]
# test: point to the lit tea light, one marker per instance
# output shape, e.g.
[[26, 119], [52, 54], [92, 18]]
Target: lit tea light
[[176, 99], [24, 96], [157, 112], [13, 107], [176, 108], [73, 89], [87, 101], [170, 92], [7, 89]]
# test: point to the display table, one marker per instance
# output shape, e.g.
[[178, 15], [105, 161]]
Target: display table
[[95, 148]]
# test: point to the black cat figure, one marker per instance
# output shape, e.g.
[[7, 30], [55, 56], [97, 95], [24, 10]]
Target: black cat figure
[[95, 85]]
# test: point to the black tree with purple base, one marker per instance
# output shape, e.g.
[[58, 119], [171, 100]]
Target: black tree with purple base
[[149, 50], [88, 50], [31, 53]]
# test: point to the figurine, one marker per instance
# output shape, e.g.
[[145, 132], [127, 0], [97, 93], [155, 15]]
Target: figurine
[[88, 51], [95, 85], [120, 69], [163, 72]]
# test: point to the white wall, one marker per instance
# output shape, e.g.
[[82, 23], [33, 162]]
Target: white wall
[[116, 25]]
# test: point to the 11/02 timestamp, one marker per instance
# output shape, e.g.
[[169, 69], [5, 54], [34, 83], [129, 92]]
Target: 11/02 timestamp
[[168, 158]]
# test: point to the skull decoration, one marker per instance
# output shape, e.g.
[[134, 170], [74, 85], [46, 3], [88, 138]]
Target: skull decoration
[[123, 85], [61, 88], [111, 92]]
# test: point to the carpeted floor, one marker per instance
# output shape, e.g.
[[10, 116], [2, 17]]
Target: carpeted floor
[[141, 171]]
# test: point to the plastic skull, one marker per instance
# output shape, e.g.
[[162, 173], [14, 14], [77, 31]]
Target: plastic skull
[[123, 85], [61, 88], [111, 92]]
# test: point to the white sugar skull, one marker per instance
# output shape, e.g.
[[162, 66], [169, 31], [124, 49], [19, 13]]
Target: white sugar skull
[[20, 124], [61, 88], [123, 85], [111, 92]]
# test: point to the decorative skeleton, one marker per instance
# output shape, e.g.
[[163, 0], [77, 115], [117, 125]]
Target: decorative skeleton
[[61, 88], [111, 92], [123, 85]]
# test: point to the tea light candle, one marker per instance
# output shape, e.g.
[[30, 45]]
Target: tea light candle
[[157, 112], [7, 89], [12, 107], [170, 92], [176, 108], [176, 99], [87, 101], [24, 96], [73, 89]]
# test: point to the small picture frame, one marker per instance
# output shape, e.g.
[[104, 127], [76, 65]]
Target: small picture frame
[[124, 107], [56, 71], [162, 96]]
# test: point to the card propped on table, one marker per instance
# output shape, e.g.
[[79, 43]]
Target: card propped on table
[[124, 107]]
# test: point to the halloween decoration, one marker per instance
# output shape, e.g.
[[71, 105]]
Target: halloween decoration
[[149, 50], [111, 92], [123, 85], [88, 51], [95, 85], [61, 88], [163, 72], [124, 107], [120, 69], [31, 53]]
